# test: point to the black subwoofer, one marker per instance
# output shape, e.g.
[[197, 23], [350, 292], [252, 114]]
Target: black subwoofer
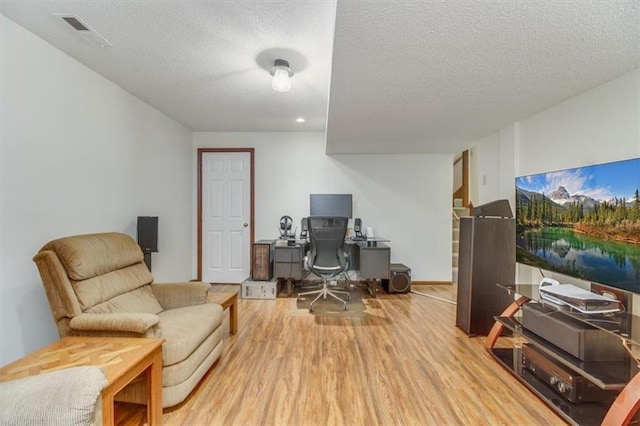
[[400, 281]]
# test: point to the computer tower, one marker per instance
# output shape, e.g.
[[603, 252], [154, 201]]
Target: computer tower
[[400, 281], [262, 266]]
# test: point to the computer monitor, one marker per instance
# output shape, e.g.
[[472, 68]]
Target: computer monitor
[[331, 205]]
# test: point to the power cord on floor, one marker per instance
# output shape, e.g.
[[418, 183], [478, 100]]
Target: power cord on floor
[[434, 297]]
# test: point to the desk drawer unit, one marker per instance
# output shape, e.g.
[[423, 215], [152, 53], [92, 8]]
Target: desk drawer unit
[[375, 262], [289, 270], [289, 254], [288, 262]]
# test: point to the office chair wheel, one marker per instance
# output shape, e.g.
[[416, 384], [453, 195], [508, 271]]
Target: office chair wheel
[[298, 299], [310, 309]]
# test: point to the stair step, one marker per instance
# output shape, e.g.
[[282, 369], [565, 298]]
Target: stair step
[[455, 239]]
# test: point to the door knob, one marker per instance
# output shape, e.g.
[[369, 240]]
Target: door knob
[[245, 224]]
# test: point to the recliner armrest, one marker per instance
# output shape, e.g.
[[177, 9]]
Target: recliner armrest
[[178, 295], [128, 322], [65, 397]]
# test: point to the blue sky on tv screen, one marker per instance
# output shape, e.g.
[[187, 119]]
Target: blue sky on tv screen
[[601, 182]]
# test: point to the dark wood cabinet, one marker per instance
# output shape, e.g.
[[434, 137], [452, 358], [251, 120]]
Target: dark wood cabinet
[[487, 256], [262, 260]]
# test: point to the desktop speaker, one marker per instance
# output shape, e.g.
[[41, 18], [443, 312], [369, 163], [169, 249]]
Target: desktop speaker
[[400, 281], [357, 227], [304, 228], [148, 233]]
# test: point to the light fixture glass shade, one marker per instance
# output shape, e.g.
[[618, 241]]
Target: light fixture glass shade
[[281, 81]]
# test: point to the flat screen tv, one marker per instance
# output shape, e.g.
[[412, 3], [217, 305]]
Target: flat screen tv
[[582, 222], [330, 205]]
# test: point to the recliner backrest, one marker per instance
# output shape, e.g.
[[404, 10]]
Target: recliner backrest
[[97, 273]]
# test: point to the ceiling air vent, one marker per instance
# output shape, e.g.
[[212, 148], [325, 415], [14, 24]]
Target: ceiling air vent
[[75, 23], [83, 29]]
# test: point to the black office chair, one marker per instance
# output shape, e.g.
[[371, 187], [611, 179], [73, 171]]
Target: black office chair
[[325, 257]]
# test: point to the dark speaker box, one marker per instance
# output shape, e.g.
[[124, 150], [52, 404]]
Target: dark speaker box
[[585, 342], [400, 281], [148, 233], [487, 256]]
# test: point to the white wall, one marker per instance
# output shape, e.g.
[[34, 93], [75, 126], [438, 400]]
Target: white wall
[[492, 160], [78, 155], [406, 198], [599, 126], [483, 163]]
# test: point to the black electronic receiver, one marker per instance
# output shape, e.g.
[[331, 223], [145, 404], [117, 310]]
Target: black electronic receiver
[[566, 382]]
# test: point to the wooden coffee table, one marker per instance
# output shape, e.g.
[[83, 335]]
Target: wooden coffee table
[[227, 299], [122, 358]]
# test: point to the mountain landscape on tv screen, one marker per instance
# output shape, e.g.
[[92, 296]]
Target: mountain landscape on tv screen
[[582, 222]]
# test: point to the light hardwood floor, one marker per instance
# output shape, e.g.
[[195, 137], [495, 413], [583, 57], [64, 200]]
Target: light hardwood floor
[[403, 362]]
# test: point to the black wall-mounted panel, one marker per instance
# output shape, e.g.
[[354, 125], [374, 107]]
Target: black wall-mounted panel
[[148, 233]]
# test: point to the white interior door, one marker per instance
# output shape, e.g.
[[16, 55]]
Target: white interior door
[[226, 214]]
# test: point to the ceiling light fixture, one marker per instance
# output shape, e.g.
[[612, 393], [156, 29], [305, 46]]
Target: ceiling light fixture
[[300, 120], [281, 75]]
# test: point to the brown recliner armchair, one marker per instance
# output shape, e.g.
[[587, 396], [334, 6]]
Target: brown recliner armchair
[[98, 285]]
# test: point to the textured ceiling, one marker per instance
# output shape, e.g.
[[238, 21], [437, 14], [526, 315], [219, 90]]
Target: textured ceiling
[[429, 77], [404, 76], [204, 63]]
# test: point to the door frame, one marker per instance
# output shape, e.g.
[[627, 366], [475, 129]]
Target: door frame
[[463, 191], [202, 151]]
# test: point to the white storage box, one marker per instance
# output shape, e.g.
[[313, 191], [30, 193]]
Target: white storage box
[[260, 289]]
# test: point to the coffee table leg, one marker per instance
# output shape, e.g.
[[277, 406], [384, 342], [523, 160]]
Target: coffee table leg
[[154, 389], [233, 315], [108, 414]]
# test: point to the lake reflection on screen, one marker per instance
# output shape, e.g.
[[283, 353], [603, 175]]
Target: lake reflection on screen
[[562, 250]]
